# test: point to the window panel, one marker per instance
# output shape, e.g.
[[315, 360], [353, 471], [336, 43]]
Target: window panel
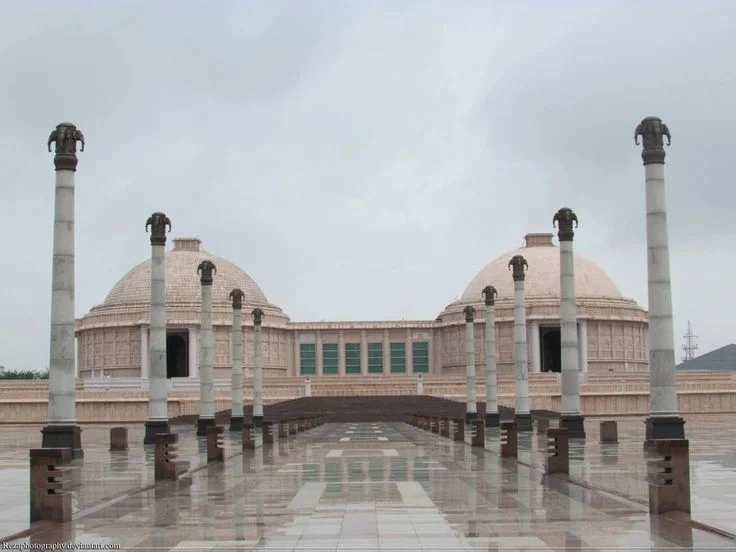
[[420, 357], [398, 358], [352, 358], [329, 359], [375, 358], [307, 359]]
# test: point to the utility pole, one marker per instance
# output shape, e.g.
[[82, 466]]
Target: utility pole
[[689, 346]]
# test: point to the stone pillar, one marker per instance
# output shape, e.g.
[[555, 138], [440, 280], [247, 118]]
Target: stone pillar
[[536, 353], [61, 430], [319, 355], [206, 419], [664, 421], [308, 387], [297, 354], [386, 352], [144, 353], [583, 345], [236, 410], [492, 418], [193, 353], [522, 414], [470, 406], [420, 385], [257, 315], [341, 353], [158, 386], [571, 416], [409, 351], [363, 353]]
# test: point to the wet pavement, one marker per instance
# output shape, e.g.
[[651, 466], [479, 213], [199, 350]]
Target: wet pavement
[[383, 486]]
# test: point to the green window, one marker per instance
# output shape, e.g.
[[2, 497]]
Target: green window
[[398, 358], [420, 357], [307, 359], [329, 359], [352, 358], [375, 358]]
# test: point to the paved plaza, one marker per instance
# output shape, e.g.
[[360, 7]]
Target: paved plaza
[[379, 486]]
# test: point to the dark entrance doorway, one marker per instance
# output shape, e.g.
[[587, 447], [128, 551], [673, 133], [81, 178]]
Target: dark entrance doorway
[[177, 354], [551, 360]]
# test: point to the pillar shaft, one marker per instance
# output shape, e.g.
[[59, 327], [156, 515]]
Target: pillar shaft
[[470, 404], [206, 359], [144, 353], [490, 350], [237, 366], [568, 333], [521, 368], [158, 390], [62, 398], [663, 381], [257, 374]]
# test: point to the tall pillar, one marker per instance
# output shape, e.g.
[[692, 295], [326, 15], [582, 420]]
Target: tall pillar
[[193, 352], [492, 418], [236, 411], [571, 416], [386, 352], [363, 353], [206, 418], [158, 386], [664, 421], [319, 355], [535, 342], [583, 345], [470, 406], [257, 315], [522, 414], [144, 353], [409, 351], [61, 430], [341, 353]]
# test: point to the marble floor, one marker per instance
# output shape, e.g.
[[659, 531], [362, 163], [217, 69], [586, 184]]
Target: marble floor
[[383, 486]]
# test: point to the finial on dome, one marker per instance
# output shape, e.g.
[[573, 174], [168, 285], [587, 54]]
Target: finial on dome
[[187, 244]]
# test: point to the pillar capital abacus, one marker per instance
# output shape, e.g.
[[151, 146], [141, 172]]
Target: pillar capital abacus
[[490, 294], [65, 137], [564, 219], [206, 270], [519, 265], [237, 296], [652, 131], [159, 224]]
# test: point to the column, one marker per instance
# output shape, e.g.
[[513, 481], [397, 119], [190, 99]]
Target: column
[[664, 421], [297, 355], [144, 353], [363, 353], [61, 430], [583, 345], [236, 343], [470, 406], [158, 386], [536, 353], [193, 353], [319, 357], [206, 418], [522, 414], [571, 416], [341, 353], [409, 352], [386, 352], [257, 315], [492, 417]]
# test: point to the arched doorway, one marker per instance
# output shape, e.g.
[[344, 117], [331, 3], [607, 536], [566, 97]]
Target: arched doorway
[[177, 355], [551, 351]]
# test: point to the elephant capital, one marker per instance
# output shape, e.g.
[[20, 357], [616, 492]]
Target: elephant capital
[[159, 223], [237, 297], [518, 264], [490, 294], [206, 271], [564, 219]]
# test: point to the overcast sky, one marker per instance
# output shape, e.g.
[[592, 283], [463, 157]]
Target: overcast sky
[[363, 160]]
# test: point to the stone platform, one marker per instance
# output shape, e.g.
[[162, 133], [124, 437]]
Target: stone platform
[[369, 486]]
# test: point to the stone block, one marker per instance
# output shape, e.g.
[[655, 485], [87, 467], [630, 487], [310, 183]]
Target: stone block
[[434, 424], [558, 451], [283, 429], [609, 432], [270, 433], [165, 454], [249, 441], [293, 427], [509, 440], [49, 501], [215, 444], [668, 475], [478, 432], [119, 438], [459, 429], [445, 427]]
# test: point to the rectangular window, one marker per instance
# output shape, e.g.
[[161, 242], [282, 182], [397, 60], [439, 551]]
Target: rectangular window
[[375, 358], [420, 357], [329, 359], [398, 358], [307, 359], [352, 358]]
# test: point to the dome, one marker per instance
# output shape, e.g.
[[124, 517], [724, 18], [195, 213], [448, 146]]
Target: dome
[[182, 280], [543, 275]]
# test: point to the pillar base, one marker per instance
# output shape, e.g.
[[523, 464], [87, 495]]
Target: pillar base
[[523, 422], [575, 425], [493, 419], [257, 421], [63, 436], [236, 423], [154, 427], [203, 424], [665, 427], [470, 416]]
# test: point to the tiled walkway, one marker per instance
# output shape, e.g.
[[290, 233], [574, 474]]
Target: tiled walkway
[[370, 487]]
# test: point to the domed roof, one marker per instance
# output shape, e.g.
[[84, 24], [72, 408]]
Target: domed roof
[[182, 280], [543, 275]]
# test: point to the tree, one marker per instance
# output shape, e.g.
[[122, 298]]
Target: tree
[[24, 375]]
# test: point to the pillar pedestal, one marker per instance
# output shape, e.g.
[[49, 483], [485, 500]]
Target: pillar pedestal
[[665, 427], [236, 423], [154, 427], [523, 422], [203, 424], [575, 425], [493, 419], [63, 436]]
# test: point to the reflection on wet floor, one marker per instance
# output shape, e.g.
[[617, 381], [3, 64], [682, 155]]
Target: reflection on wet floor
[[383, 486]]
